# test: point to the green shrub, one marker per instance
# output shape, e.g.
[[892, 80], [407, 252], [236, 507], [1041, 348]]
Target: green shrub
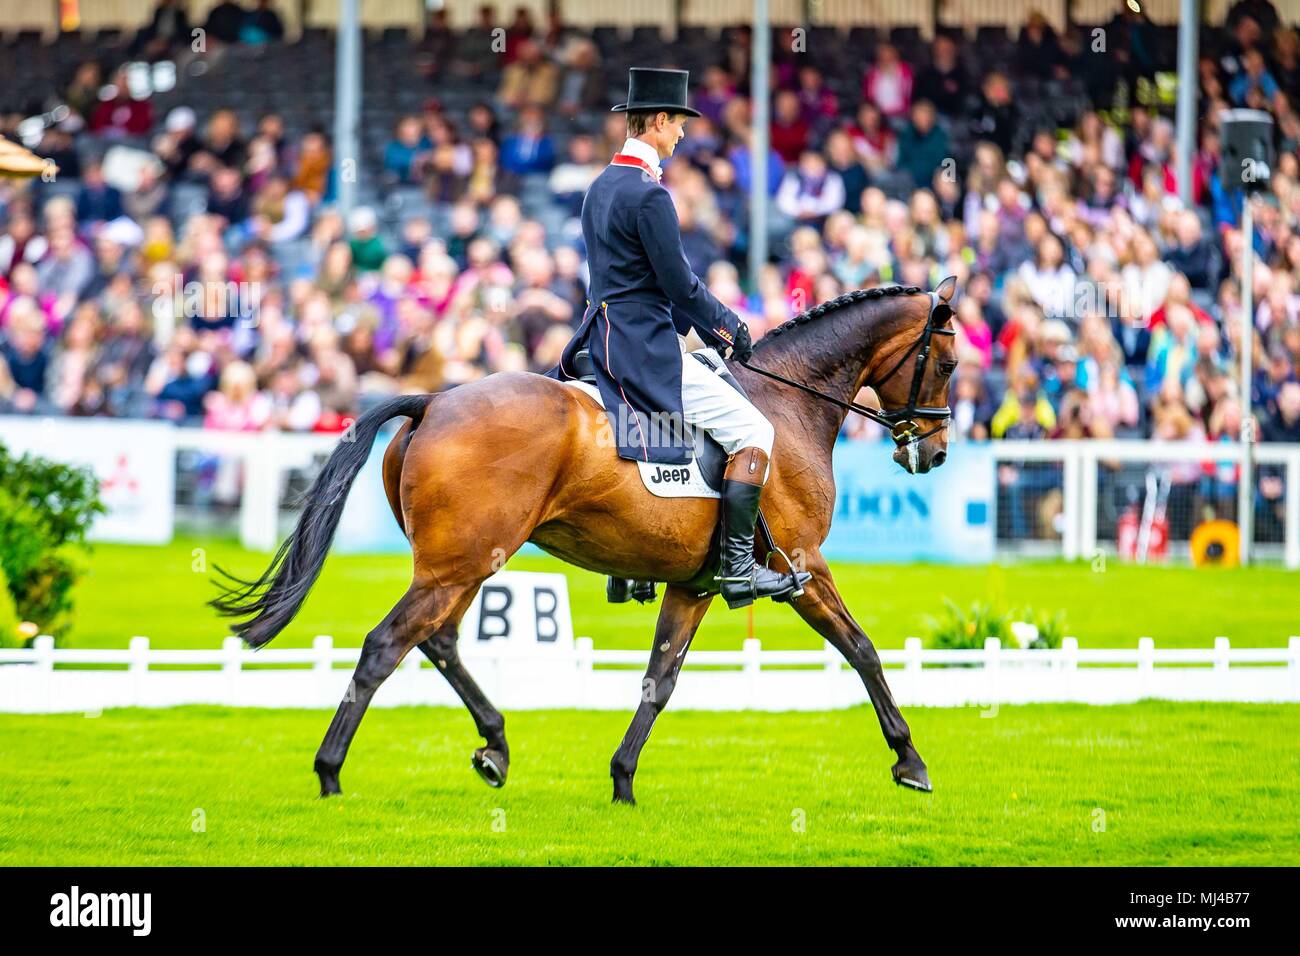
[[8, 615], [960, 628], [46, 508], [1051, 626]]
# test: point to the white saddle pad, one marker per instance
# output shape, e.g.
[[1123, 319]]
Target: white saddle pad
[[663, 481]]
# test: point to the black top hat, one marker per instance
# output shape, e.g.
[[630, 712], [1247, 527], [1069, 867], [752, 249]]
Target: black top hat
[[656, 90]]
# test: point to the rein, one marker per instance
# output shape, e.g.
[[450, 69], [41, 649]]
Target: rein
[[903, 418]]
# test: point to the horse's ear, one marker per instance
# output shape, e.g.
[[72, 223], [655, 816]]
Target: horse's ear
[[947, 288]]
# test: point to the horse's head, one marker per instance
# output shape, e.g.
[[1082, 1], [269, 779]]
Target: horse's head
[[913, 382]]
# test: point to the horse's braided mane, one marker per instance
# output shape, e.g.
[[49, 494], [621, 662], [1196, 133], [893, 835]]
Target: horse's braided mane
[[831, 305]]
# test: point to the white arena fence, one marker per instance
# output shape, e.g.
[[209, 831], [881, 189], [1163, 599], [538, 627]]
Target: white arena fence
[[46, 679]]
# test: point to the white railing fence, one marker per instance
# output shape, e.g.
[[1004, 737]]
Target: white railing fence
[[1092, 472], [44, 679]]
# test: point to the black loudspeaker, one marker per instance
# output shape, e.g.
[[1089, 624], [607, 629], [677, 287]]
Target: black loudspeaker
[[1247, 149]]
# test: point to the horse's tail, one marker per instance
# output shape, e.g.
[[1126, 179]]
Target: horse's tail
[[270, 602]]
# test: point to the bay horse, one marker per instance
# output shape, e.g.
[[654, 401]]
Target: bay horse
[[514, 457]]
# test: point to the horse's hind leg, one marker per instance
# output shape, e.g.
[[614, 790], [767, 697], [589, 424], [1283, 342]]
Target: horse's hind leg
[[679, 618], [421, 610], [492, 761]]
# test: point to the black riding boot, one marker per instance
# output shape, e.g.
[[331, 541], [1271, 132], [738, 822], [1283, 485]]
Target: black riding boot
[[620, 590], [743, 579]]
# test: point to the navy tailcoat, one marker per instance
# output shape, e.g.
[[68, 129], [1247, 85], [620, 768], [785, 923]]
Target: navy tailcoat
[[642, 295]]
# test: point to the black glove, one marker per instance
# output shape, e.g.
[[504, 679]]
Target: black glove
[[744, 345]]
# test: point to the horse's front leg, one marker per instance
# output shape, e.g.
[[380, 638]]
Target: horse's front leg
[[823, 608], [679, 618]]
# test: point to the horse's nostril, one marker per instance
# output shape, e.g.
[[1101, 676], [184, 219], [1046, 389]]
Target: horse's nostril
[[939, 458]]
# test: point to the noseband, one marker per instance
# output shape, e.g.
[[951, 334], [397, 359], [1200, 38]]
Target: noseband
[[903, 423]]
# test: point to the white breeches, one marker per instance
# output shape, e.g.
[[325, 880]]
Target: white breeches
[[708, 402]]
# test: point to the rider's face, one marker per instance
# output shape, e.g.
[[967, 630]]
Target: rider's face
[[670, 132]]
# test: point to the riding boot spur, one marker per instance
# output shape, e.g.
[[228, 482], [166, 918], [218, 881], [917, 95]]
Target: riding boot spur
[[743, 579]]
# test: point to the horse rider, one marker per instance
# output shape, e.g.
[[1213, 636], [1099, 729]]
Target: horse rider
[[644, 299]]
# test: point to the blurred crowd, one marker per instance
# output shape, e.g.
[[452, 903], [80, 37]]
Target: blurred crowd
[[1094, 302]]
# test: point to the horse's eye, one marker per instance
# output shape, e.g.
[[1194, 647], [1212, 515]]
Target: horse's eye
[[947, 368]]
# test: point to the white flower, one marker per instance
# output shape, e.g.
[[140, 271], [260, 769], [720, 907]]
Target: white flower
[[1024, 633]]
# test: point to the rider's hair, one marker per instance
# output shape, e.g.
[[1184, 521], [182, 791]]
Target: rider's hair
[[639, 121]]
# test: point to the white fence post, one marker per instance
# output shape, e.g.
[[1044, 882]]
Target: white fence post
[[831, 668], [232, 652], [583, 646], [753, 667], [1146, 664], [1087, 516], [43, 647], [322, 646], [1221, 648], [410, 667], [912, 657], [1293, 645], [1069, 665], [992, 663], [259, 509], [138, 649], [1291, 515], [1071, 481]]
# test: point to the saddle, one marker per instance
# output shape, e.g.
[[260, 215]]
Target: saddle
[[711, 460]]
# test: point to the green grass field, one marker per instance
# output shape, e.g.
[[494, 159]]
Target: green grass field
[[1151, 783], [159, 592]]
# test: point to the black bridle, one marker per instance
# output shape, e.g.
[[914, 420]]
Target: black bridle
[[903, 423]]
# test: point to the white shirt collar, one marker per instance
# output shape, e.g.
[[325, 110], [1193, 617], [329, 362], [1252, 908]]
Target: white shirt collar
[[644, 152]]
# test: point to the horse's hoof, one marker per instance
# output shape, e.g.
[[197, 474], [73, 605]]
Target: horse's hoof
[[330, 790], [623, 791], [912, 775], [491, 766]]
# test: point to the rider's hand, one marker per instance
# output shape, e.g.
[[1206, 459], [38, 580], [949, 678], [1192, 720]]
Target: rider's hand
[[744, 345]]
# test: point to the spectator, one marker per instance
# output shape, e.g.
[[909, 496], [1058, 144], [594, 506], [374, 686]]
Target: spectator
[[311, 175], [888, 83], [581, 87], [944, 81], [529, 151], [995, 118], [168, 28], [1283, 425], [922, 145], [1038, 51], [119, 113], [844, 163], [225, 21], [529, 79], [874, 139], [811, 192], [237, 405], [262, 25], [569, 180], [1193, 255], [1050, 279], [26, 352], [790, 132]]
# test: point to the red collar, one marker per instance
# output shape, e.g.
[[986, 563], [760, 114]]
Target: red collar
[[623, 159]]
